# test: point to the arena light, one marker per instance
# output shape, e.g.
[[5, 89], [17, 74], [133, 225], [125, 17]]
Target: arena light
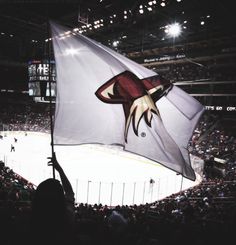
[[141, 11], [115, 43], [163, 4], [173, 30]]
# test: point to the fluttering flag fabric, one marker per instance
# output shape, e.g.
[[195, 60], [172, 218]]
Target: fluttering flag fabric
[[105, 98]]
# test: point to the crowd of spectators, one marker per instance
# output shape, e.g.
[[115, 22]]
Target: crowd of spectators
[[211, 70], [214, 141], [13, 186], [211, 138], [15, 197], [25, 117]]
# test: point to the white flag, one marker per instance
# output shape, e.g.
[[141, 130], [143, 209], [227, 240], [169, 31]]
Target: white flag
[[105, 98]]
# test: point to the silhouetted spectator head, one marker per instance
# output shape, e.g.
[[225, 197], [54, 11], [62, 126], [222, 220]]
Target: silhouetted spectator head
[[49, 212], [49, 191]]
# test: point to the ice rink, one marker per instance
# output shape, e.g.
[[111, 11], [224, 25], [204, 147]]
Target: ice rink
[[98, 174]]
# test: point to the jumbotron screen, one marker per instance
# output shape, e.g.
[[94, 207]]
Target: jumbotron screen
[[38, 73]]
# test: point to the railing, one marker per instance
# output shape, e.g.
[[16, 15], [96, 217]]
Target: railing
[[127, 193]]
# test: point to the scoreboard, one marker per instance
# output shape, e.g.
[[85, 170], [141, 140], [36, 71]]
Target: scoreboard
[[40, 74]]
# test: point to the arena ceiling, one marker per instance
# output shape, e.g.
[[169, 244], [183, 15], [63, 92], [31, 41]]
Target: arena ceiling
[[126, 25]]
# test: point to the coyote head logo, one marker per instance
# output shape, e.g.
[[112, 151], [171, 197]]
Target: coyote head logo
[[137, 96]]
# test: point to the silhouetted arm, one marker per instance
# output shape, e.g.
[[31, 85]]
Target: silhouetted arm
[[68, 190], [69, 193]]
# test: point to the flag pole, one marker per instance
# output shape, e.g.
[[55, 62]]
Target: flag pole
[[50, 96]]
